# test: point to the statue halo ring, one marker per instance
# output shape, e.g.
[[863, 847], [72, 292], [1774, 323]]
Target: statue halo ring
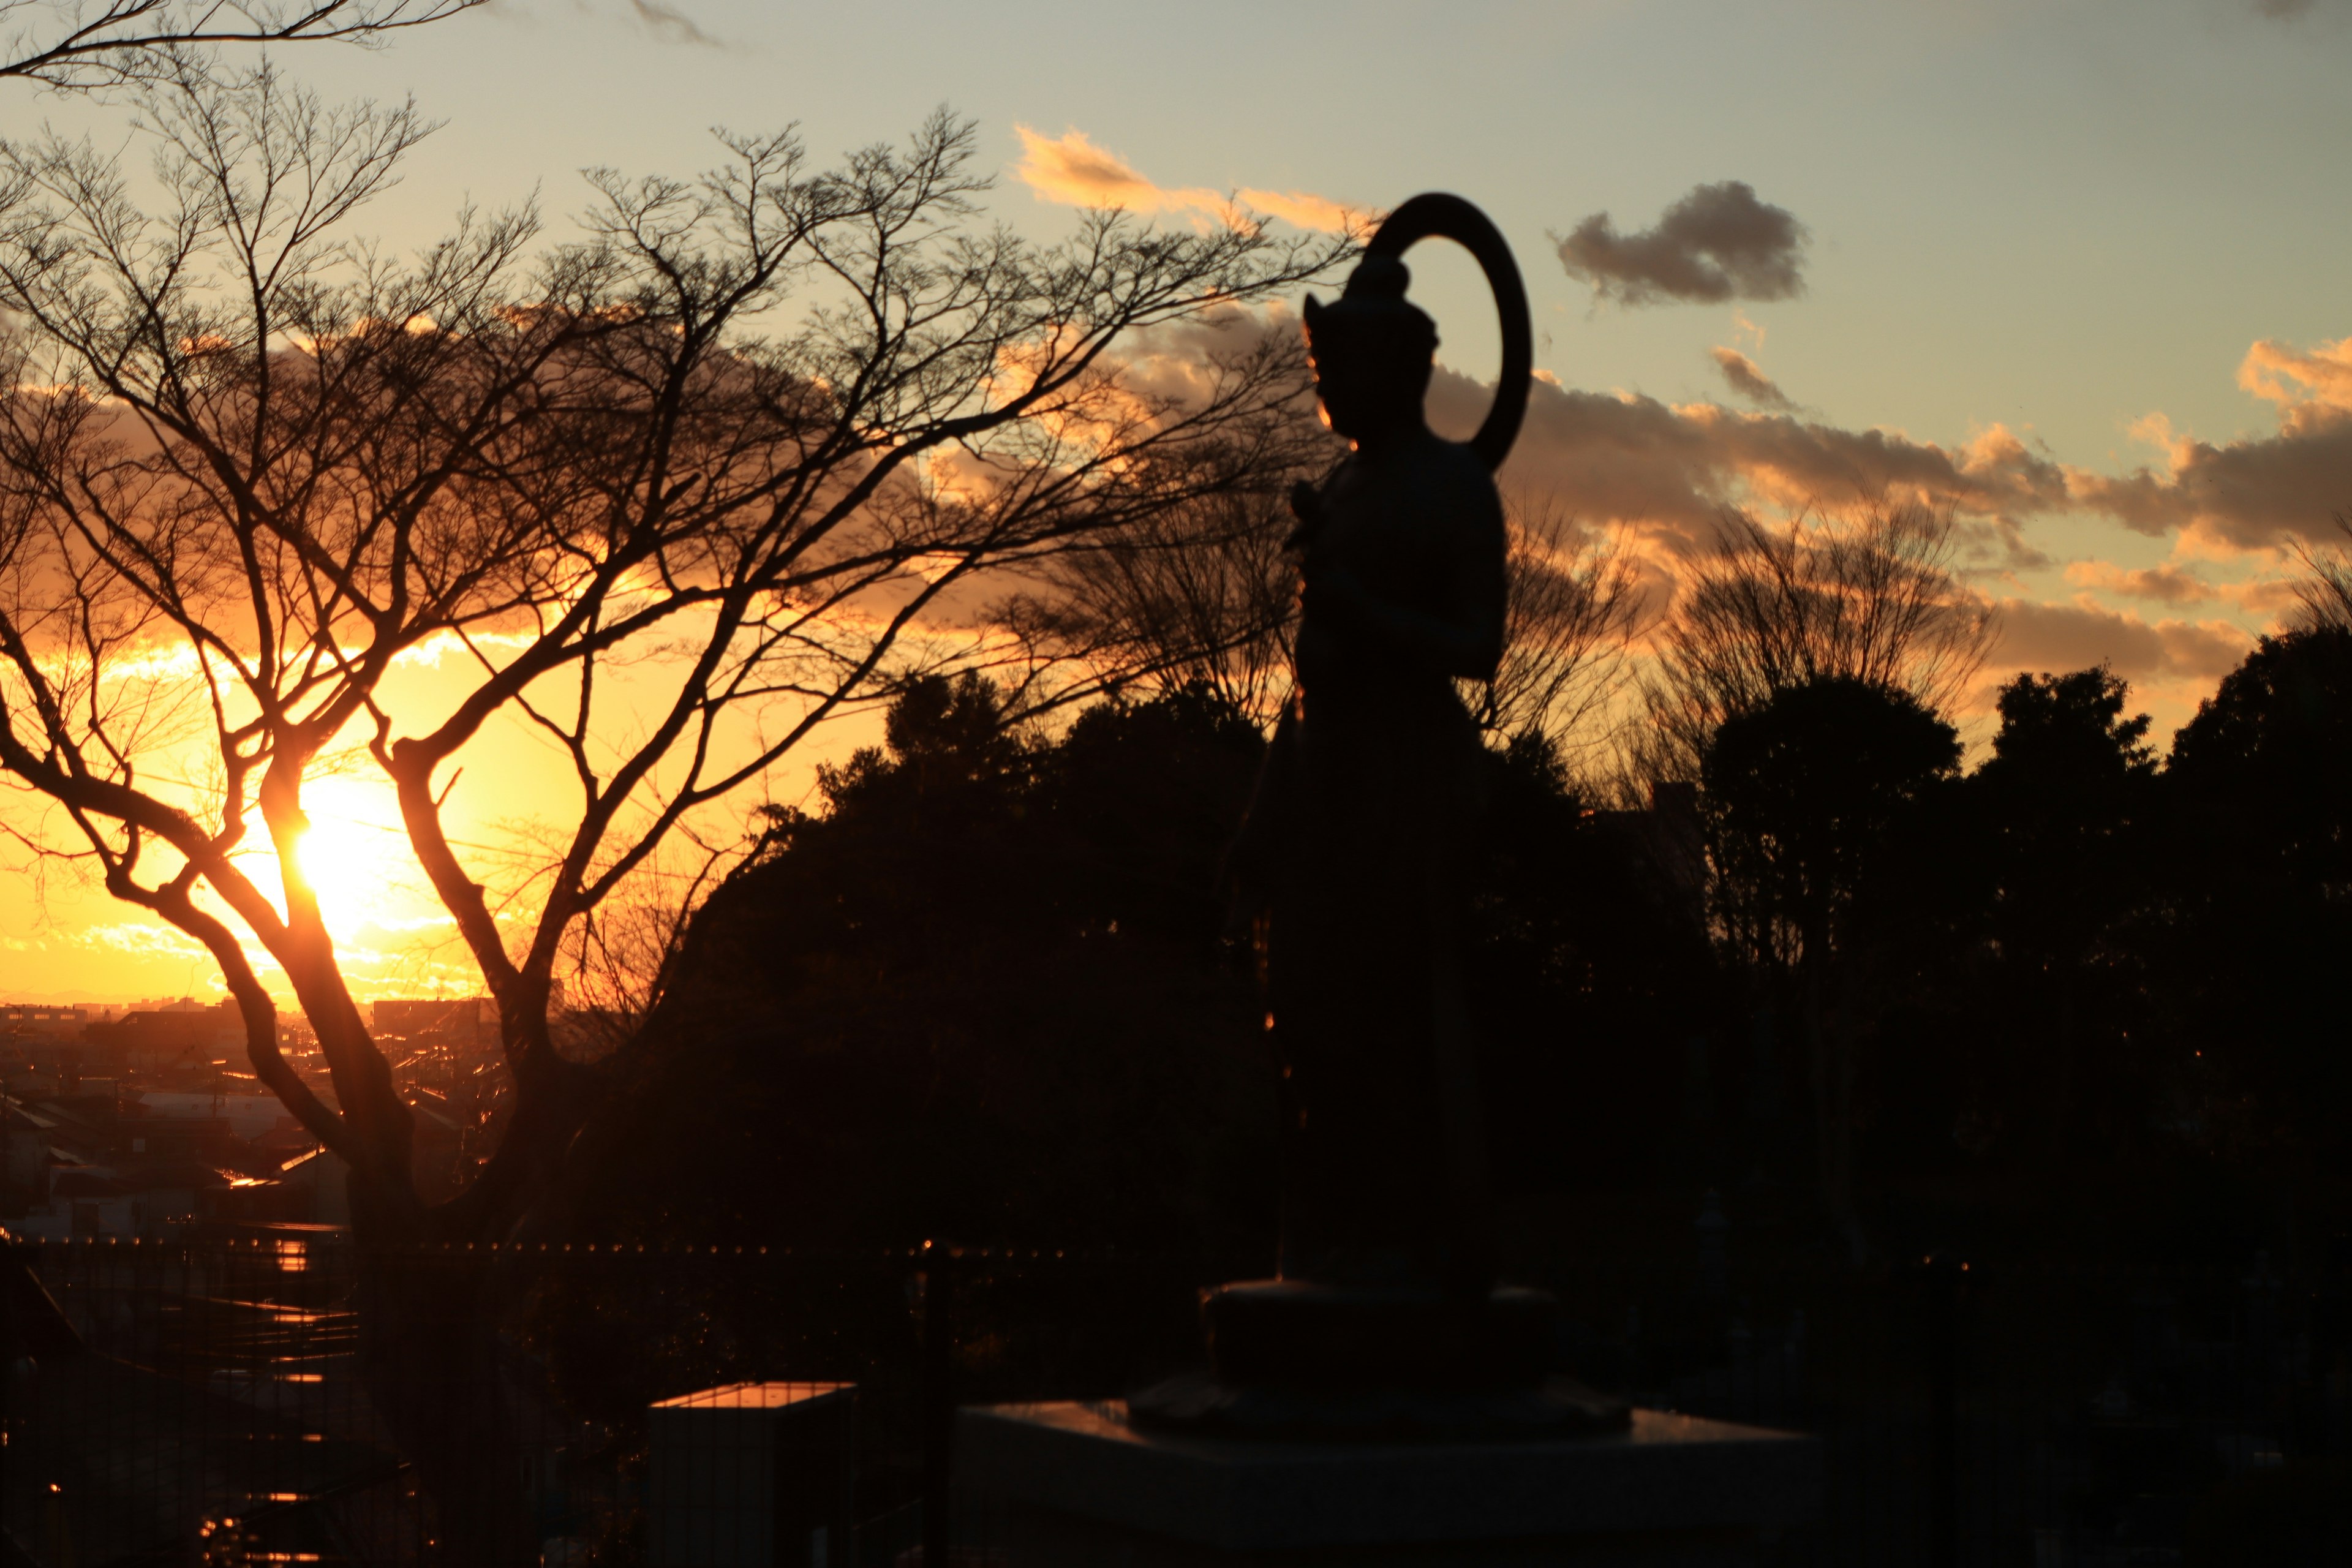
[[1440, 215]]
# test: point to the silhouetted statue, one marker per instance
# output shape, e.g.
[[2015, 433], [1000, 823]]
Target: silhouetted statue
[[1385, 1319], [1357, 838]]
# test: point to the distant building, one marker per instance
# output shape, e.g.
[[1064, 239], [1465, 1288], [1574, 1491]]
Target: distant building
[[464, 1021], [166, 1196], [114, 1159], [248, 1116], [26, 1134], [49, 1021], [152, 1039]]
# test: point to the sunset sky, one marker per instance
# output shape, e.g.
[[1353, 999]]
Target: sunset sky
[[2077, 265]]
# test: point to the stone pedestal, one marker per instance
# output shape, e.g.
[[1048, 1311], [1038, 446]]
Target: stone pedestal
[[1070, 1484]]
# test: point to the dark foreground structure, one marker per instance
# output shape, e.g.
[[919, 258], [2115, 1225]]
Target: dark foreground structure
[[182, 1403]]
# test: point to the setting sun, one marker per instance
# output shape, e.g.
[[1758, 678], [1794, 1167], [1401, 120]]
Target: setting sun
[[353, 856]]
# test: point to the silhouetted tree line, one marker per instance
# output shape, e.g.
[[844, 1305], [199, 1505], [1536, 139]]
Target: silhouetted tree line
[[2073, 966], [986, 988]]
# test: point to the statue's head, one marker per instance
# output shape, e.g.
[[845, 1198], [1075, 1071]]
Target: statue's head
[[1372, 351]]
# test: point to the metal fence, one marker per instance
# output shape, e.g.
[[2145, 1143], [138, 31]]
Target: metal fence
[[287, 1398]]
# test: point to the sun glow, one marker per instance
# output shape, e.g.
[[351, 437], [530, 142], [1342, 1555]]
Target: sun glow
[[352, 855]]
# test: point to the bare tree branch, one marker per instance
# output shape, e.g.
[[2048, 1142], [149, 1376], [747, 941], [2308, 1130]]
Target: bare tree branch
[[1573, 606], [83, 44], [2324, 594]]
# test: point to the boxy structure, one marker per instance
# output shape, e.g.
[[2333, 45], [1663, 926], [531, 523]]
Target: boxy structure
[[751, 1474]]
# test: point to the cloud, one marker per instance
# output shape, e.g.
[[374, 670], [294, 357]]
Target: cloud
[[2253, 492], [1071, 169], [2035, 635], [2262, 595], [1671, 468], [2166, 584], [2169, 585], [1746, 378], [2291, 379], [1718, 243], [672, 25], [1300, 209]]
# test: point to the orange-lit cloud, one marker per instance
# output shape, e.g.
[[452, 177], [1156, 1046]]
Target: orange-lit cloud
[[1071, 169], [2165, 585], [1300, 209], [2168, 583], [1671, 469], [2253, 494], [2294, 380], [2036, 636]]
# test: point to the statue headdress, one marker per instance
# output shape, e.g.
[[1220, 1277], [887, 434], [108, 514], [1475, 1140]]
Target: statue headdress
[[1372, 318]]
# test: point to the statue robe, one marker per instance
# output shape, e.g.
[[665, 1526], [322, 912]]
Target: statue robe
[[1358, 839]]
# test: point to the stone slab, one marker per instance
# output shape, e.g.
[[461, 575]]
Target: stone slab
[[1670, 1488]]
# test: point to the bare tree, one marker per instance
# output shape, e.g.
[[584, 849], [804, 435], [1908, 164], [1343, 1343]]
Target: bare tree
[[1201, 596], [1803, 678], [2324, 594], [83, 44], [1207, 595], [1572, 606], [1871, 595], [248, 465]]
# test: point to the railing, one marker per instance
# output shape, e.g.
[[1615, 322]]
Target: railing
[[293, 1399]]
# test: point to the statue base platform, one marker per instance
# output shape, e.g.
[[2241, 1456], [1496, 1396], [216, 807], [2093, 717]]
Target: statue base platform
[[1327, 1363], [1304, 1335], [1068, 1484], [1208, 1406]]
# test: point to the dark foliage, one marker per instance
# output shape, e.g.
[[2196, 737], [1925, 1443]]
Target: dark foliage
[[1806, 795], [2063, 806], [984, 990], [1821, 805], [977, 995], [1588, 968], [984, 993], [2250, 936]]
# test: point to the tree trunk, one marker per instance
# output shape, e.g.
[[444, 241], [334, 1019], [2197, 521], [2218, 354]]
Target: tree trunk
[[429, 1353], [430, 1301]]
